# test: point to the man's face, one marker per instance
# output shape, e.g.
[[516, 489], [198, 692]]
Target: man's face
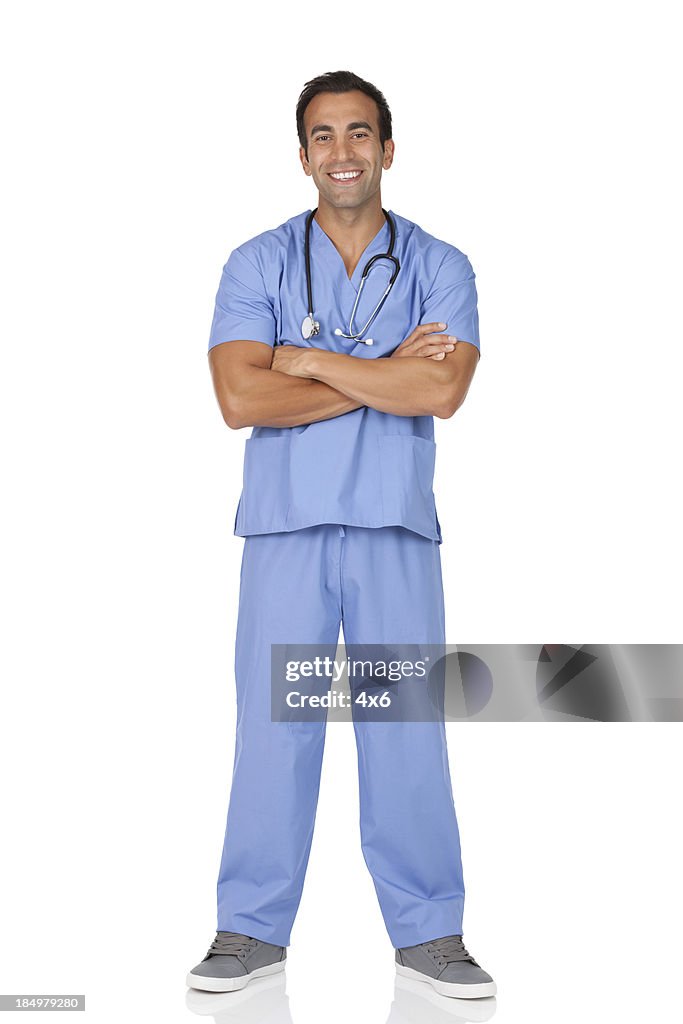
[[342, 131]]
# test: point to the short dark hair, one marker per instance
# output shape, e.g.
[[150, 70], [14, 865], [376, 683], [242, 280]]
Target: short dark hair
[[338, 82]]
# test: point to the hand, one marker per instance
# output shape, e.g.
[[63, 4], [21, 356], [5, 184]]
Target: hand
[[425, 342], [291, 359]]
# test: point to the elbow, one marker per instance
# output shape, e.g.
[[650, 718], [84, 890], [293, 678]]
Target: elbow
[[234, 412], [233, 422], [448, 402]]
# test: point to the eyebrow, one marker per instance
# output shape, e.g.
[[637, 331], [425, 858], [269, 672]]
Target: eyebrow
[[350, 127]]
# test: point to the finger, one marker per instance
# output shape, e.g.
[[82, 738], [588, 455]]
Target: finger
[[435, 339], [423, 329], [432, 350], [430, 328], [429, 346]]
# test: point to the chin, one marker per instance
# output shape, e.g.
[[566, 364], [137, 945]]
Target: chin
[[344, 202]]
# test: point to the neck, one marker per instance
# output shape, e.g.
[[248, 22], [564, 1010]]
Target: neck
[[351, 229]]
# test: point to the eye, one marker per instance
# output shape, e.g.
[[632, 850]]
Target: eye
[[319, 138], [362, 135]]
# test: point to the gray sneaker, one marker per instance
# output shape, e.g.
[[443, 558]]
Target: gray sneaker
[[233, 960], [447, 966]]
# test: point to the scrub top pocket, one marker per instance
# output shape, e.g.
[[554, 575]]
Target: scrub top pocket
[[264, 502], [407, 477]]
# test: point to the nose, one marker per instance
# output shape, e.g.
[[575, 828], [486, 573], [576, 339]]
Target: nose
[[342, 152]]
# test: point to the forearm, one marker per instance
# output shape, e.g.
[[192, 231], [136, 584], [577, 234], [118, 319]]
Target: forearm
[[269, 398], [410, 386]]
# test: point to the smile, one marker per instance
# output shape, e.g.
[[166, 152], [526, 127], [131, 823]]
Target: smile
[[345, 176]]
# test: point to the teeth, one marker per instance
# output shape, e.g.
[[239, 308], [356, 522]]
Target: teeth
[[346, 174]]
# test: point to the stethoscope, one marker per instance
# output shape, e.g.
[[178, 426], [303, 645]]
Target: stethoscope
[[310, 326]]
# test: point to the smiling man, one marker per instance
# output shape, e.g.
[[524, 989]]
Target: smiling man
[[338, 336]]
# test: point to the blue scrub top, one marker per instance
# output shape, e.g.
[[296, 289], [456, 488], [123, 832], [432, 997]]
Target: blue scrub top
[[362, 468]]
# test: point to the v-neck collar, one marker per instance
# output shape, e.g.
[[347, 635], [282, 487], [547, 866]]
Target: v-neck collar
[[380, 243]]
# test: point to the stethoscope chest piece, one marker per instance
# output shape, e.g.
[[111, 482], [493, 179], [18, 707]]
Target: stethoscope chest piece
[[309, 327]]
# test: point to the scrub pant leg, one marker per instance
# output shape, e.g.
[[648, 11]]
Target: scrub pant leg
[[392, 593], [289, 594], [385, 585]]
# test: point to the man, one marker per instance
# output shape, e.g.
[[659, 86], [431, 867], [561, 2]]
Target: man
[[338, 513]]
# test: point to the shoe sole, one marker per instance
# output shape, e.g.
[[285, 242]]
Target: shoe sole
[[450, 988], [205, 984]]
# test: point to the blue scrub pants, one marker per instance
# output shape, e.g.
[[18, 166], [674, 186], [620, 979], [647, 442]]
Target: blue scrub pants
[[384, 585]]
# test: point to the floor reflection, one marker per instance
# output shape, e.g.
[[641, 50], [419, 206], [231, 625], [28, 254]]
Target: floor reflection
[[265, 1001]]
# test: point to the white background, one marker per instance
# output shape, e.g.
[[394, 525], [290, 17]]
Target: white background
[[142, 143]]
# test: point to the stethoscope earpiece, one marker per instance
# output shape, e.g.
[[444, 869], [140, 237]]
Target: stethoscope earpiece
[[310, 327]]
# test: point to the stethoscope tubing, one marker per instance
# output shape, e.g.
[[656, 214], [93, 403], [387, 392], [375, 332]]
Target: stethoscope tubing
[[366, 269], [380, 256]]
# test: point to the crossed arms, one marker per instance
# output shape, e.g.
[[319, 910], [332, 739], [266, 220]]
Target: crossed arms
[[429, 374]]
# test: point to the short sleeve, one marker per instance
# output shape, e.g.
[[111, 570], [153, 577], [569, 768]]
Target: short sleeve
[[452, 299], [243, 311]]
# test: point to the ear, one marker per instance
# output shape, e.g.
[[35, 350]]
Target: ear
[[304, 162], [388, 154]]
